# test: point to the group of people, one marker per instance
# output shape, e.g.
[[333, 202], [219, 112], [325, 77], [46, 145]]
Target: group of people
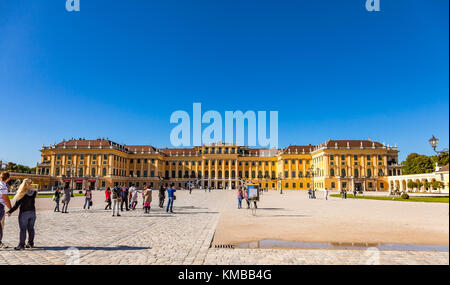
[[243, 195], [128, 197], [24, 200], [62, 196]]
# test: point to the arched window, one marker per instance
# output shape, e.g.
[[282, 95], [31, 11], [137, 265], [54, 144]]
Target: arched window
[[104, 172], [356, 173], [331, 172], [93, 172], [343, 172], [220, 172], [369, 172]]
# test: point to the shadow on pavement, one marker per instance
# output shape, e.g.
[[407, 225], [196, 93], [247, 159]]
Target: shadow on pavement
[[121, 247]]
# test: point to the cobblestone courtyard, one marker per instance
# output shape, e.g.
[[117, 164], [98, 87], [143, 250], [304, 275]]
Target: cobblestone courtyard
[[95, 237]]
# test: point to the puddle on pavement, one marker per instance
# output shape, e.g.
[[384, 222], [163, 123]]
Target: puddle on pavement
[[271, 243]]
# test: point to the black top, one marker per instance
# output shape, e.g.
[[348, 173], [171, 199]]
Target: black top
[[26, 204]]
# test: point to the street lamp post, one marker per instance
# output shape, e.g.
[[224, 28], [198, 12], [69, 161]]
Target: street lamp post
[[434, 142]]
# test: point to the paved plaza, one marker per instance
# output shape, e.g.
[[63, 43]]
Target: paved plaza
[[201, 220]]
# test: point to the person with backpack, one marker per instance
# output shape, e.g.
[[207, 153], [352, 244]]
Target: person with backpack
[[124, 198], [116, 199], [87, 199]]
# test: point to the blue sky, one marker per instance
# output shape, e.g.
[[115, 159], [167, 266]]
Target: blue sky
[[118, 69]]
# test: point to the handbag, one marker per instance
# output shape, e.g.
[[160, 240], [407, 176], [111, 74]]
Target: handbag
[[90, 203], [174, 197]]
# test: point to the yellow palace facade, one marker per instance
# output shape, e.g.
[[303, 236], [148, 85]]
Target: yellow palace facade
[[335, 165]]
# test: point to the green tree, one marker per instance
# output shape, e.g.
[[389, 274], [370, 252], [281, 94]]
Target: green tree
[[417, 163], [419, 185], [427, 185], [411, 185], [441, 159], [437, 185]]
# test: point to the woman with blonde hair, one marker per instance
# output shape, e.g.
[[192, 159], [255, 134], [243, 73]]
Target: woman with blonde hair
[[25, 199]]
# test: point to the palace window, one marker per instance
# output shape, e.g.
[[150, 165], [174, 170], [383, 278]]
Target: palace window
[[286, 174], [138, 173], [333, 185], [331, 157], [253, 174], [293, 185], [356, 173], [343, 172], [369, 172], [104, 171], [93, 172], [57, 171], [293, 174], [331, 172], [145, 173]]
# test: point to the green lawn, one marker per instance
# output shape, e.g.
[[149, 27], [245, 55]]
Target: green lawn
[[412, 199], [47, 195]]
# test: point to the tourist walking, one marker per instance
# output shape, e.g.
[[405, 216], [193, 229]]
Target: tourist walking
[[309, 193], [134, 199], [87, 199], [246, 199], [4, 202], [57, 198], [66, 199], [162, 196], [240, 195], [345, 194], [25, 199], [124, 196], [326, 194], [147, 199], [354, 193], [116, 199], [108, 198], [171, 197]]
